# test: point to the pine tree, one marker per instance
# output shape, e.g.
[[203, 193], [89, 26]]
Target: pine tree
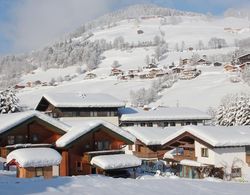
[[234, 110], [8, 101]]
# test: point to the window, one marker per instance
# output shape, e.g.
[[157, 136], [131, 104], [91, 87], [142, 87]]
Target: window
[[79, 166], [130, 147], [236, 172], [194, 123], [54, 115], [19, 139], [11, 139], [172, 123], [102, 113], [139, 148], [204, 152], [150, 124], [188, 123], [143, 124], [34, 138], [165, 124], [39, 171], [93, 114], [102, 145], [84, 114], [68, 114]]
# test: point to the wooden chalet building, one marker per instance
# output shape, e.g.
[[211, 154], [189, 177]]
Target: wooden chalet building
[[85, 106], [30, 163], [76, 141], [149, 146], [199, 151], [194, 151], [244, 59], [162, 117]]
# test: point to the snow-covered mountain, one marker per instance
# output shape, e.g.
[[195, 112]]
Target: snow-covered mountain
[[129, 36]]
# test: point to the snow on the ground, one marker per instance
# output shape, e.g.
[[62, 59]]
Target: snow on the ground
[[100, 185], [202, 92]]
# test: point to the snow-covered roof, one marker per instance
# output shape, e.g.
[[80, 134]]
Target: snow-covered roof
[[83, 100], [163, 113], [35, 157], [80, 127], [116, 161], [217, 136], [8, 121], [191, 163], [152, 135]]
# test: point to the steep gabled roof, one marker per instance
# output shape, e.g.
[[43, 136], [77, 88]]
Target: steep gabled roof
[[9, 121], [80, 128], [216, 136], [77, 100], [151, 135]]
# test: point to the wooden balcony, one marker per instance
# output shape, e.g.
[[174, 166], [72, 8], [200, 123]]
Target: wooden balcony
[[147, 155], [179, 158]]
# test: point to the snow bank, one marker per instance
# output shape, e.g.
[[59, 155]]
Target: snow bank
[[35, 157], [116, 161]]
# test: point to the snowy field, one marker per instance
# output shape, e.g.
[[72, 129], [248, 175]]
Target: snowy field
[[202, 92], [100, 185]]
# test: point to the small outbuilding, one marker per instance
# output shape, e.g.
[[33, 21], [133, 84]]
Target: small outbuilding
[[107, 163], [34, 162]]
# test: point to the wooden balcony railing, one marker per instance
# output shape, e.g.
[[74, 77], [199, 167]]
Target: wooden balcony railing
[[182, 157]]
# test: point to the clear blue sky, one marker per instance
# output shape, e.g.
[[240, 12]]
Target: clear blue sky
[[19, 18]]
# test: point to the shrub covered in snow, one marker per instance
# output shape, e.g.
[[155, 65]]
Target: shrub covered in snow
[[234, 110], [8, 101]]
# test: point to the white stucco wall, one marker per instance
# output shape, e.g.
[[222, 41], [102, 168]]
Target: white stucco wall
[[127, 151], [227, 158], [206, 160], [230, 157]]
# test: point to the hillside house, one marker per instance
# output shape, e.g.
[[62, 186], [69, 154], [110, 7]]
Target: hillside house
[[77, 142], [217, 64], [89, 139], [116, 72], [201, 62], [150, 66], [244, 59], [198, 151], [86, 106], [162, 117], [230, 68], [184, 61], [189, 72], [90, 76], [148, 146]]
